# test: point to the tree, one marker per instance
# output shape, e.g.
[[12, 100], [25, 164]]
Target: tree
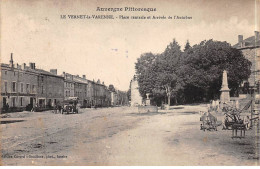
[[187, 46], [111, 88], [167, 66], [203, 65], [145, 73], [158, 74]]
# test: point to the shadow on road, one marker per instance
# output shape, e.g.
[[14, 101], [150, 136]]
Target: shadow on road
[[145, 114], [10, 121]]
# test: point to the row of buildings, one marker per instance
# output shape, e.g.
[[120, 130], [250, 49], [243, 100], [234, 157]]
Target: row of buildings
[[25, 86]]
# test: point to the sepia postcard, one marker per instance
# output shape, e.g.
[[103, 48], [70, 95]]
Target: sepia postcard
[[129, 82]]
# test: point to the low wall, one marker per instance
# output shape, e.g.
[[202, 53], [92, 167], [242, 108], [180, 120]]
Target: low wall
[[147, 109]]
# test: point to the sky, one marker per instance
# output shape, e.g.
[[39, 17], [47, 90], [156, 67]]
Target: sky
[[108, 49]]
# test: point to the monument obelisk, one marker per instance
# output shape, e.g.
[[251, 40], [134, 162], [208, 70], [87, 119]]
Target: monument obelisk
[[224, 97]]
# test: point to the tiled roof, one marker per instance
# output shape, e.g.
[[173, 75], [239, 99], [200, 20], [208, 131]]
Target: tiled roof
[[249, 42]]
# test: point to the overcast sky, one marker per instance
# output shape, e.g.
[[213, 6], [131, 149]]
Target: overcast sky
[[33, 32]]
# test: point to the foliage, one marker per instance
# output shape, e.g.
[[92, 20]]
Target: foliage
[[203, 66], [192, 75], [111, 88]]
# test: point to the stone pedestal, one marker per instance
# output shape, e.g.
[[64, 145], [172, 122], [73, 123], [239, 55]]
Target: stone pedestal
[[147, 101]]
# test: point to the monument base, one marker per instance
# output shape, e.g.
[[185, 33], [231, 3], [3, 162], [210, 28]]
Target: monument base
[[147, 109]]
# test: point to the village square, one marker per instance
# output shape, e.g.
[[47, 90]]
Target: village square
[[69, 120], [130, 83]]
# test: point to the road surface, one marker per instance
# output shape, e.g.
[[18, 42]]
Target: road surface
[[121, 136]]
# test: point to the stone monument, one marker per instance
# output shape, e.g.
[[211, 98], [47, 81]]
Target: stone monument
[[136, 98], [147, 101], [224, 97], [148, 108]]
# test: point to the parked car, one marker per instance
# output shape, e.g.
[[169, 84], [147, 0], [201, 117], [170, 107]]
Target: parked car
[[70, 106]]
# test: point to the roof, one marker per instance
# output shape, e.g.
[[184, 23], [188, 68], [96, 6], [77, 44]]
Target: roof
[[249, 42], [46, 73], [78, 80]]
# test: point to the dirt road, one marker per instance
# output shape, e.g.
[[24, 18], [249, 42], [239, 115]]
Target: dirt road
[[121, 136]]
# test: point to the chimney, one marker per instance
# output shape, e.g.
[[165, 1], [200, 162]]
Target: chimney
[[24, 66], [32, 65], [53, 71], [84, 76], [18, 66], [11, 61], [240, 41], [256, 36], [77, 75]]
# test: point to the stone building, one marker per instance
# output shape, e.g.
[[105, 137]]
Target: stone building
[[114, 98], [107, 97], [18, 86], [25, 86], [250, 48], [68, 85], [100, 95], [91, 93], [50, 88], [136, 98], [81, 89]]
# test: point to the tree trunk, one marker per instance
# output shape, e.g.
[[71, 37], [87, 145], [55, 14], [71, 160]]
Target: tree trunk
[[169, 101]]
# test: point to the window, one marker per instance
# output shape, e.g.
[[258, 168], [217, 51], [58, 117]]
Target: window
[[13, 102], [42, 89], [5, 72], [33, 88], [21, 101], [27, 88], [22, 87], [5, 86], [13, 86]]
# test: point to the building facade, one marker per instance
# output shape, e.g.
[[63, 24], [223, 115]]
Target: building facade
[[50, 89], [81, 89], [18, 86], [250, 48], [68, 85], [26, 87]]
